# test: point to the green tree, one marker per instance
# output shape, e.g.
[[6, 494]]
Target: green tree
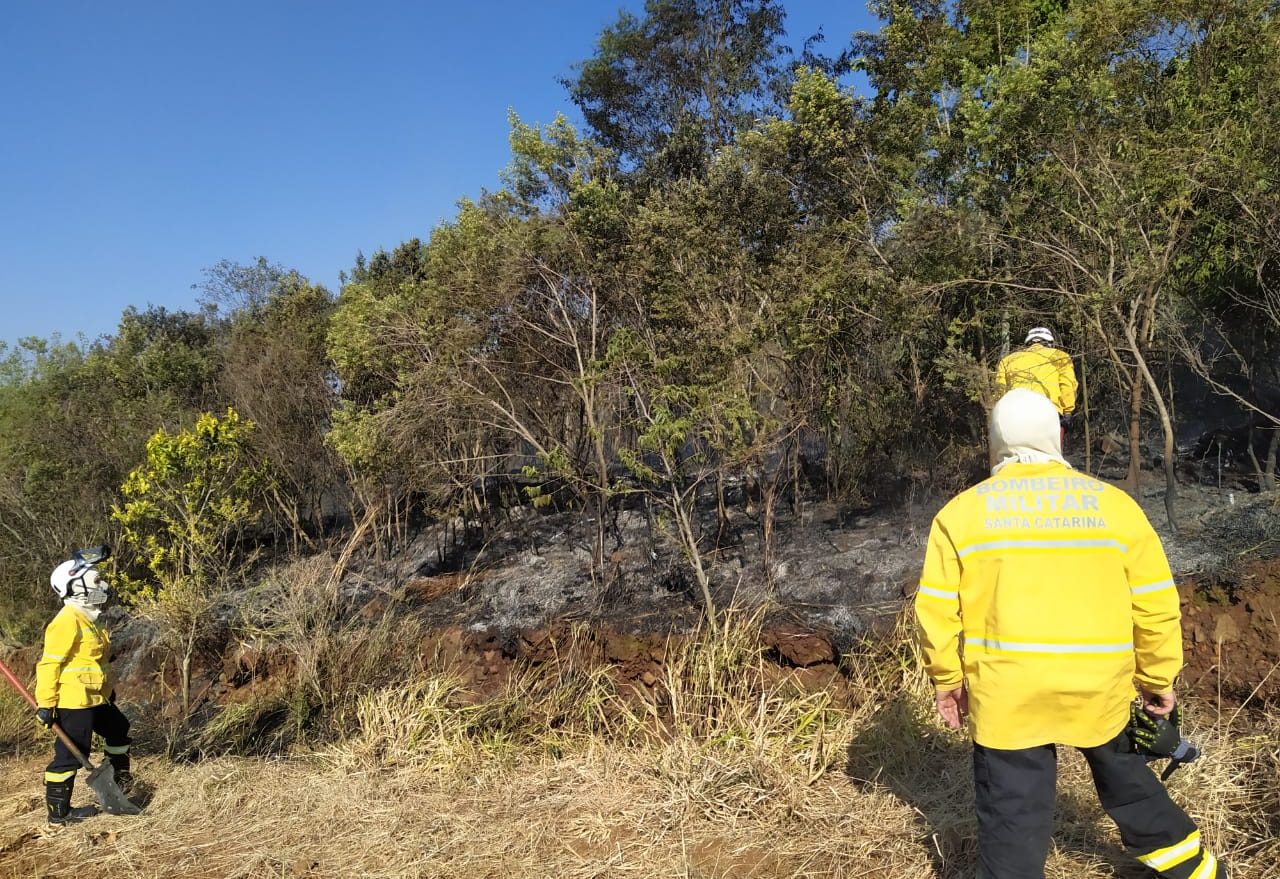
[[1098, 153], [230, 288], [185, 515], [665, 90], [476, 354], [74, 418], [49, 493], [276, 373], [183, 508]]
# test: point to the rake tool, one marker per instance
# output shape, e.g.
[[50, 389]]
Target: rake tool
[[102, 778]]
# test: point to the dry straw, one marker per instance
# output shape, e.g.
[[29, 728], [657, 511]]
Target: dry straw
[[724, 768]]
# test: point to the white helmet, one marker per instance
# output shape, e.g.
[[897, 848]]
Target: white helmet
[[1040, 334], [78, 578]]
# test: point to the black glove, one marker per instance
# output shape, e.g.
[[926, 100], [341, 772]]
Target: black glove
[[47, 716], [1155, 736]]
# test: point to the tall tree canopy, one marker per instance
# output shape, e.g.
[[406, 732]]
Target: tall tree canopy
[[736, 268], [666, 89]]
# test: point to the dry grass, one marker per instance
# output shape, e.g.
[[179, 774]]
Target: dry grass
[[727, 770], [19, 731], [331, 659]]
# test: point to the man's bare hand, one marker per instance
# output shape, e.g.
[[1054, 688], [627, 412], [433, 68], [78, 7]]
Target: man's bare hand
[[1158, 704], [953, 705]]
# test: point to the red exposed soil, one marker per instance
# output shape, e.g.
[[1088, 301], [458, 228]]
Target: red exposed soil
[[248, 673], [485, 660], [1231, 637]]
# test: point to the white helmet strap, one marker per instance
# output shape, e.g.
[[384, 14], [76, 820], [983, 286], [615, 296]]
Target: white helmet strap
[[77, 575]]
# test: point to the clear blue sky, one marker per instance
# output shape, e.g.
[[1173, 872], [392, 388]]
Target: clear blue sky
[[145, 141]]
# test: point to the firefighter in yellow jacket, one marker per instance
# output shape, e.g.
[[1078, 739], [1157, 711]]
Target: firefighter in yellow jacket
[[73, 680], [1042, 368], [1045, 598]]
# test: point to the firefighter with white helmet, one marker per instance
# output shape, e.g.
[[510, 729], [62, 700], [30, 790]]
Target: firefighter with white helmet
[[1041, 367], [73, 679]]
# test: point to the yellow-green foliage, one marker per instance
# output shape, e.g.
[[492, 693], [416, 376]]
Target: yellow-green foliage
[[195, 492]]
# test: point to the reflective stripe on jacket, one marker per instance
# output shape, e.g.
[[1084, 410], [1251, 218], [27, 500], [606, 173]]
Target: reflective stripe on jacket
[[74, 671], [1048, 593], [1046, 371]]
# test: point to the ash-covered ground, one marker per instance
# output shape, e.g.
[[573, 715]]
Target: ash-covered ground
[[827, 569], [831, 579]]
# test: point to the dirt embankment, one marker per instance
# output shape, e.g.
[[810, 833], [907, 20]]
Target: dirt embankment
[[1231, 636], [836, 581], [529, 596]]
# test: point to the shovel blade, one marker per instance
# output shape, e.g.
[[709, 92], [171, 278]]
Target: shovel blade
[[102, 781]]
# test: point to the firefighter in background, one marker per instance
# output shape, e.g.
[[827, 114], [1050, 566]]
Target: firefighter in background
[[1045, 598], [1042, 368], [73, 680]]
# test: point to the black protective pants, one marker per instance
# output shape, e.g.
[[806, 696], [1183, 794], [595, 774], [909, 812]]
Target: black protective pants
[[80, 724], [1014, 793]]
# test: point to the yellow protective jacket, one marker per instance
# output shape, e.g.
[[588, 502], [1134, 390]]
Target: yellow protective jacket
[[1046, 371], [75, 670], [1048, 594]]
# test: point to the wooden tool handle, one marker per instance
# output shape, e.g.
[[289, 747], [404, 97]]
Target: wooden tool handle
[[57, 730], [17, 685]]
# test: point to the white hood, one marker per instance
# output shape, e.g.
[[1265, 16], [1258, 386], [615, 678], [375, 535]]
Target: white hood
[[1025, 429]]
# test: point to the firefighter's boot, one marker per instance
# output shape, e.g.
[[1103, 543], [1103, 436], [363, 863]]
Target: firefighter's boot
[[57, 800]]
